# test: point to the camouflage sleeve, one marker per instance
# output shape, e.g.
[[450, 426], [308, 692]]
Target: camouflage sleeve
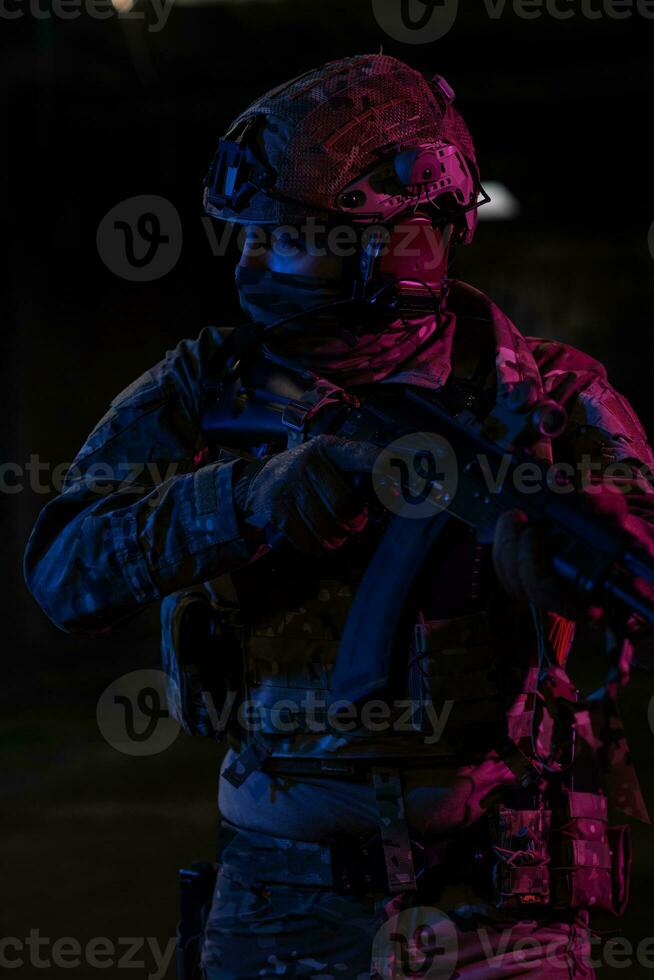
[[137, 519], [604, 441]]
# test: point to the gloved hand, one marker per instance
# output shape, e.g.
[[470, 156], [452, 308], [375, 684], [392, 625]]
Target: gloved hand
[[308, 493], [522, 556]]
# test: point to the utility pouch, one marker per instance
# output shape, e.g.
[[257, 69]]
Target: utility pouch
[[201, 659], [591, 861], [520, 842], [454, 660]]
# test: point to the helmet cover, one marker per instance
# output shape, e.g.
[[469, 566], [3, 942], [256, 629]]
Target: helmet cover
[[321, 142]]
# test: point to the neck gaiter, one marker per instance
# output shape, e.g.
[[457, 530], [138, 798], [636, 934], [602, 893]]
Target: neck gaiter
[[327, 341]]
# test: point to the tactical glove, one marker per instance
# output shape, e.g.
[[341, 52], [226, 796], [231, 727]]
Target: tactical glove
[[523, 560], [309, 494]]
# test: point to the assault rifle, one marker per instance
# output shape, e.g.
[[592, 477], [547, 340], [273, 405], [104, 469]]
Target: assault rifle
[[473, 471]]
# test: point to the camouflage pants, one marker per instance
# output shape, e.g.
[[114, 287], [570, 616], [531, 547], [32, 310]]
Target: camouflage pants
[[273, 916]]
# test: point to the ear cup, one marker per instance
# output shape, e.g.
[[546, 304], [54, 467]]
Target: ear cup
[[404, 269], [416, 252]]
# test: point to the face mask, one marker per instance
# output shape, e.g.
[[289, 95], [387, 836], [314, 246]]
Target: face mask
[[316, 341], [268, 297]]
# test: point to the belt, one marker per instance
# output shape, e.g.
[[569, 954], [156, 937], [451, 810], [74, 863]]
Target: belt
[[346, 864], [356, 767], [358, 863], [447, 871], [257, 755]]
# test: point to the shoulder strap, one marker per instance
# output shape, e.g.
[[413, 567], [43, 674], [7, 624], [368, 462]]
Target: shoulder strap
[[239, 346]]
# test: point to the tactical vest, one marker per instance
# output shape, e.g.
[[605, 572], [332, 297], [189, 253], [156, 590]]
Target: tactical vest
[[457, 649], [276, 627]]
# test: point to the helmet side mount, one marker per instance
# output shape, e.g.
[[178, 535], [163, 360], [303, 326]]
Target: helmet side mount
[[433, 177], [236, 174]]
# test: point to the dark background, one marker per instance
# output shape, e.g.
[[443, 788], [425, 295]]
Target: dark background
[[99, 111]]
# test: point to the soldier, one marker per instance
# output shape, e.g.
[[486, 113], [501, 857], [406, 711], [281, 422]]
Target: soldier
[[452, 825]]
